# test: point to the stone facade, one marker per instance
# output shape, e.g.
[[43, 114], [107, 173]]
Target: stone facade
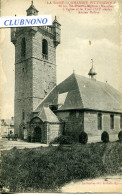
[[76, 121], [47, 131], [53, 130], [73, 122], [91, 123], [35, 69]]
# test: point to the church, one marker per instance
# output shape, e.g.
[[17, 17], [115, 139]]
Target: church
[[44, 110]]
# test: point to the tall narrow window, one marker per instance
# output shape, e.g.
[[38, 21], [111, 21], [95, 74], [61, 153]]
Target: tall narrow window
[[112, 121], [44, 49], [99, 121], [23, 47], [121, 121]]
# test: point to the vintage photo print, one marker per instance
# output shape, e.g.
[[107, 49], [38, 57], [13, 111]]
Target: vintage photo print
[[60, 96]]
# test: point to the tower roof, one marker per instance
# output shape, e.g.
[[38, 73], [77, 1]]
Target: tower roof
[[56, 21], [92, 72], [32, 10]]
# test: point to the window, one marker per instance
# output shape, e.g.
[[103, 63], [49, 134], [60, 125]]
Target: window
[[121, 121], [112, 121], [23, 47], [44, 49], [99, 121]]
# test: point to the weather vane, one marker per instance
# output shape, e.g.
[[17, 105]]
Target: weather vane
[[92, 62]]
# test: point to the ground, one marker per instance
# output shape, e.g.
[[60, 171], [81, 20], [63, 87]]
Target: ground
[[50, 169], [101, 184], [7, 145]]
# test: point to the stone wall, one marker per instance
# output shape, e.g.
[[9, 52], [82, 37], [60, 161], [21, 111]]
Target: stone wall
[[49, 131], [34, 75], [73, 122], [53, 130], [91, 123]]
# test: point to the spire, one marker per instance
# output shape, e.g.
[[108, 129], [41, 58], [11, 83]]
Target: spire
[[56, 21], [92, 72], [32, 10]]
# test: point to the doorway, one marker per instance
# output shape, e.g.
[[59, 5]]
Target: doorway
[[37, 134]]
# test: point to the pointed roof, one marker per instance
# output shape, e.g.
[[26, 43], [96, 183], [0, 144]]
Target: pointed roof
[[92, 72], [79, 92], [47, 115], [56, 21], [32, 10]]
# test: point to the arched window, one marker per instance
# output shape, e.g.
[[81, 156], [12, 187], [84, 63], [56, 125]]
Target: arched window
[[23, 47], [44, 49]]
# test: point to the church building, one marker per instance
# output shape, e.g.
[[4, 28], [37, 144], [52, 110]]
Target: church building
[[45, 110]]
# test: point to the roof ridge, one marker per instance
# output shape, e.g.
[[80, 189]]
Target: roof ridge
[[78, 89], [44, 98], [98, 81]]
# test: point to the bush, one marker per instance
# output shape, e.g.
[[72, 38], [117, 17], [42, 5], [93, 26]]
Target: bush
[[62, 140], [105, 137], [120, 135], [83, 138], [47, 169]]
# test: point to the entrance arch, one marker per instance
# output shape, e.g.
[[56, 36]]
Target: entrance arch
[[37, 135]]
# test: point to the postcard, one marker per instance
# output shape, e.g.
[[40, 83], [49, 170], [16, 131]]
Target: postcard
[[61, 96]]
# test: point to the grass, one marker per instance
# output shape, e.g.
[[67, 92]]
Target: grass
[[49, 168]]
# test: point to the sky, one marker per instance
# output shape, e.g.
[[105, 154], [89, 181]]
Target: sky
[[74, 52]]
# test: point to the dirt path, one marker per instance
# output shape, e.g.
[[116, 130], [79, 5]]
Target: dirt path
[[102, 184], [7, 145]]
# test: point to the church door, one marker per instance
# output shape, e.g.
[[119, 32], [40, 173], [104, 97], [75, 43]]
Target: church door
[[37, 134]]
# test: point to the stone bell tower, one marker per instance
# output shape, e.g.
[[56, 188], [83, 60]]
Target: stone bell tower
[[35, 66]]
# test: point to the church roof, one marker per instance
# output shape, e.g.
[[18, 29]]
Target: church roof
[[78, 92], [47, 115]]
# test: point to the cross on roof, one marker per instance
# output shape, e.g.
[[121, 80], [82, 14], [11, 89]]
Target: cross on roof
[[92, 62]]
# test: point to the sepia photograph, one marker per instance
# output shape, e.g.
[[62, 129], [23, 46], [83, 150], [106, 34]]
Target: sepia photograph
[[61, 96]]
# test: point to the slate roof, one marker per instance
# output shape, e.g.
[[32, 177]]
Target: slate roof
[[47, 115], [79, 92]]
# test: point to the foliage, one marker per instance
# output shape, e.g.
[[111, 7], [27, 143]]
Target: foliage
[[62, 140], [105, 137], [120, 135], [83, 138], [46, 169]]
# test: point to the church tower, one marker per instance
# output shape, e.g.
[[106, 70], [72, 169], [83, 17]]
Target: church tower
[[35, 66]]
